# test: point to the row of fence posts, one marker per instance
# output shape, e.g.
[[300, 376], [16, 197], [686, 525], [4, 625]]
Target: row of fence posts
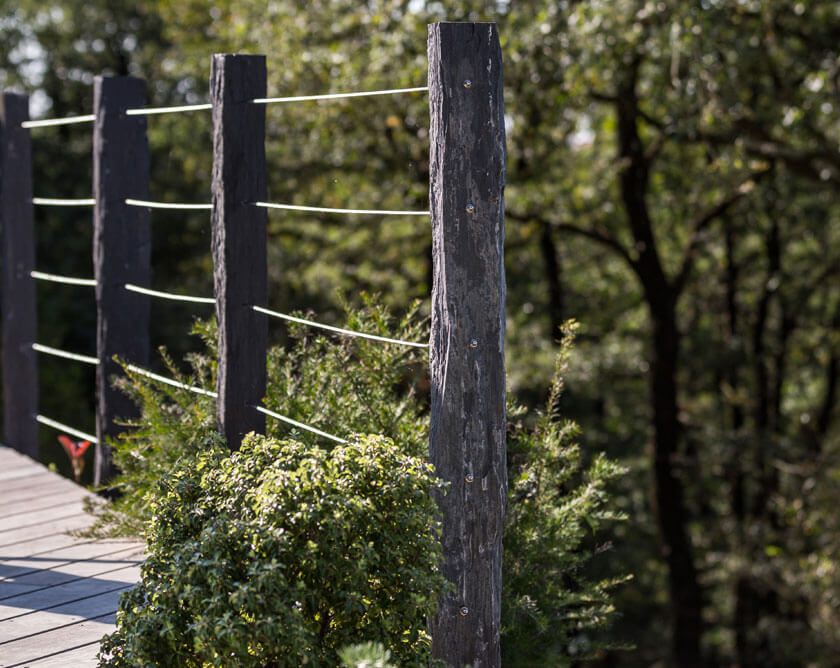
[[467, 436]]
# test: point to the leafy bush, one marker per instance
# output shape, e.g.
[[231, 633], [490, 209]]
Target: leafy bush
[[366, 655], [338, 385], [280, 554], [553, 611]]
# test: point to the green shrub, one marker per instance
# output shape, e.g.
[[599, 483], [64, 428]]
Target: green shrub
[[281, 554], [366, 655], [554, 609], [554, 612], [339, 385]]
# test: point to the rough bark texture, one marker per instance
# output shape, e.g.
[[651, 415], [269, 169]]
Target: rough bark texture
[[239, 241], [467, 440], [20, 366], [121, 250]]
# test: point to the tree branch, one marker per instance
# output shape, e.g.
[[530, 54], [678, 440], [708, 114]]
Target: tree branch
[[601, 236], [701, 223]]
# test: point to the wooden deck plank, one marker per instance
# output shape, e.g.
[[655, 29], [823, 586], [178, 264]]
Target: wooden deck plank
[[34, 479], [29, 580], [38, 501], [74, 522], [58, 593], [36, 623], [18, 473], [40, 546], [12, 458], [77, 549], [28, 651], [75, 590], [83, 656], [15, 466], [70, 508]]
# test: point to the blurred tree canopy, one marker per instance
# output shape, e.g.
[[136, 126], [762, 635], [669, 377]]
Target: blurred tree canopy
[[673, 176]]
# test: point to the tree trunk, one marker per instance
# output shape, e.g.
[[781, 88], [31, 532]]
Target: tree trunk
[[755, 598], [553, 270], [661, 296], [672, 514]]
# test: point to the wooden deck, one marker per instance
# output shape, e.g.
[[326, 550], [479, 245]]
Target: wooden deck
[[58, 593]]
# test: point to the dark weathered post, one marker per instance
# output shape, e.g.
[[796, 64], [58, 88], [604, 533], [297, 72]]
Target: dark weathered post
[[121, 250], [467, 439], [20, 365], [239, 239]]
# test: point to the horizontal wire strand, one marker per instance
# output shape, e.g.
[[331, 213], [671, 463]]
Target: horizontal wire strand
[[198, 390], [63, 353], [63, 427], [321, 209], [67, 280], [336, 96], [55, 201], [69, 120], [283, 418], [169, 381], [151, 111], [169, 295], [348, 332], [165, 205]]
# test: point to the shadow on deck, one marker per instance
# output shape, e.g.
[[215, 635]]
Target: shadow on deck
[[58, 593]]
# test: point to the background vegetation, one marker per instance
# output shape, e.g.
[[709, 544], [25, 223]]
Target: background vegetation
[[673, 172]]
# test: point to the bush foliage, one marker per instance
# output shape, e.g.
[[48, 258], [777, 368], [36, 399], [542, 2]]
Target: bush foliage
[[212, 530], [554, 611], [338, 385], [280, 554]]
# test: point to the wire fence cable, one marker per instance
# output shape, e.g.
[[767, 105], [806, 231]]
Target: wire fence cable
[[63, 427], [336, 96], [169, 295], [208, 393], [339, 330], [295, 423], [321, 209], [170, 381], [55, 201], [67, 280], [165, 205], [150, 111], [63, 353], [69, 120]]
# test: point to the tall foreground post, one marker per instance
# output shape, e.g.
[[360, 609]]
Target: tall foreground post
[[467, 438], [239, 241], [20, 365], [121, 250]]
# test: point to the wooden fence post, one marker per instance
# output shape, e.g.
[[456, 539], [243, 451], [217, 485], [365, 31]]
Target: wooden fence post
[[20, 365], [467, 436], [239, 241], [121, 250]]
